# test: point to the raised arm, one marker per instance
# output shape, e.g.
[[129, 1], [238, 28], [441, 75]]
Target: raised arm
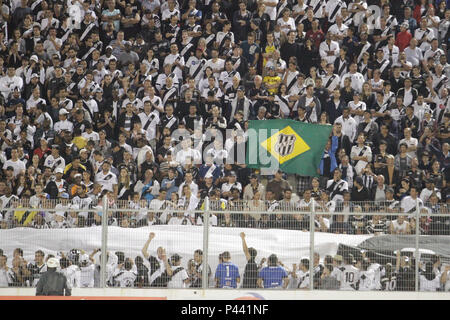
[[444, 275], [147, 243], [244, 246], [167, 265], [91, 256]]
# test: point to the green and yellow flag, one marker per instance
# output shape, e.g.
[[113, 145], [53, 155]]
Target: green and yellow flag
[[292, 146]]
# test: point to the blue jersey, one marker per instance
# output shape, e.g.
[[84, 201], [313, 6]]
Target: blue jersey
[[272, 276], [227, 273]]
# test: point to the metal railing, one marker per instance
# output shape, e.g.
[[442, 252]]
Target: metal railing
[[287, 216]]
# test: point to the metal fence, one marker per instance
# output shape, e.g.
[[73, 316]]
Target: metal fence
[[214, 243]]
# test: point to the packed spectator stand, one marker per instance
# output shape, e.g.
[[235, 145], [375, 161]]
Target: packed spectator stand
[[147, 102]]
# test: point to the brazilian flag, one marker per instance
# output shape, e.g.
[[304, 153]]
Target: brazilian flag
[[289, 145]]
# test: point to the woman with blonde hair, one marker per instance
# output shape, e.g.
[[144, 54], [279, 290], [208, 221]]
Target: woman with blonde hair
[[125, 185]]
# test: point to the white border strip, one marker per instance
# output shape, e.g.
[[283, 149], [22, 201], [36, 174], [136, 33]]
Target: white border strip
[[239, 294]]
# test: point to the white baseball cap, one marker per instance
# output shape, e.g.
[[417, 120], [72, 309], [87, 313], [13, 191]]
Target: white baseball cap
[[63, 111], [59, 170], [53, 263]]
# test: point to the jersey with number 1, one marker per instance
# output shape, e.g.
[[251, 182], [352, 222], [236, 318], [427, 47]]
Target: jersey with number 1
[[350, 277], [227, 273]]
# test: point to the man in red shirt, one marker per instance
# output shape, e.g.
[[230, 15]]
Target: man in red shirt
[[315, 34], [403, 37]]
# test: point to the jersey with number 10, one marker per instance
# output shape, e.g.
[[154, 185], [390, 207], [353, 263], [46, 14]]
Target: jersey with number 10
[[350, 276], [227, 273]]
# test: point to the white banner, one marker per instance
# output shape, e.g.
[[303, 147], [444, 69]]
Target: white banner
[[289, 245]]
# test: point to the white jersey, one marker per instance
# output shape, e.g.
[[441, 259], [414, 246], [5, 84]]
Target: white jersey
[[218, 65], [349, 126], [303, 279], [177, 280], [87, 276], [377, 270], [63, 125], [357, 80], [325, 47], [399, 228], [427, 35], [5, 279], [53, 163], [73, 275], [333, 8], [337, 273], [18, 166], [125, 278], [149, 123], [196, 68], [363, 151], [429, 285], [367, 280], [350, 276], [107, 180], [91, 136], [360, 106]]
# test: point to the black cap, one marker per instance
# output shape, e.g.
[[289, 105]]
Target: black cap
[[175, 257], [253, 176]]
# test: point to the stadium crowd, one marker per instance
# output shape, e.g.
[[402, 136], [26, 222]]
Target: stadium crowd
[[157, 270], [133, 100]]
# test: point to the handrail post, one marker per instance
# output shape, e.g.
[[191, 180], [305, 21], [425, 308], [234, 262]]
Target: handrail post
[[104, 255], [311, 245], [205, 276]]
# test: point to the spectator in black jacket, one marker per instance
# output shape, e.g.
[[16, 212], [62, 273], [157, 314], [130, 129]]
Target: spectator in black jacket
[[359, 191], [291, 48], [335, 105]]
